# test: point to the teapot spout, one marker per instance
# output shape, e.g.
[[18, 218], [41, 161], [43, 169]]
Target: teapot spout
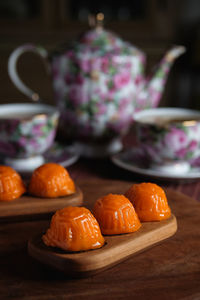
[[154, 85], [174, 53]]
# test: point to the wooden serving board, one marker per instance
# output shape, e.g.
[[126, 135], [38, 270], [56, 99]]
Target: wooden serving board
[[116, 249], [32, 207]]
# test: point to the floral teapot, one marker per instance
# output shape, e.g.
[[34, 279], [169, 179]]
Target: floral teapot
[[99, 84]]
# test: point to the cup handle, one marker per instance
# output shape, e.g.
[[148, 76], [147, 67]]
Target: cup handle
[[12, 68]]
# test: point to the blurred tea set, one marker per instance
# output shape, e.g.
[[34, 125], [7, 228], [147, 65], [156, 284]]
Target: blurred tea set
[[100, 92]]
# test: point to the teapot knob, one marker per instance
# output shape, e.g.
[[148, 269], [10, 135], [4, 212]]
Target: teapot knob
[[96, 21]]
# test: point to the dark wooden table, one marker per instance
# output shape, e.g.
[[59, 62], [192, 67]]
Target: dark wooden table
[[169, 270]]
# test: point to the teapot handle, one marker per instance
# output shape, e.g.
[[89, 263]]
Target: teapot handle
[[12, 68]]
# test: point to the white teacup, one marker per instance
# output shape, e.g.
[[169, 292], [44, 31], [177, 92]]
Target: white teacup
[[170, 137], [26, 132]]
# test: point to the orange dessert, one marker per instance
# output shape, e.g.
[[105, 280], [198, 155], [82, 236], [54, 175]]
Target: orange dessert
[[116, 215], [74, 229], [11, 184], [51, 180], [150, 201]]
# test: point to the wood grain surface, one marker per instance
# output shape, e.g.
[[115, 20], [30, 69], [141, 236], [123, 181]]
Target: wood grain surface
[[169, 270], [29, 206]]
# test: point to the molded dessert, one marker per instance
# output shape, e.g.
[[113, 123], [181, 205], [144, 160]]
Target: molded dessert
[[51, 180], [116, 215], [74, 229], [150, 201], [11, 184]]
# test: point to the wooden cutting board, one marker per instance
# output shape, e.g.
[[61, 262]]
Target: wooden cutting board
[[27, 207], [116, 249]]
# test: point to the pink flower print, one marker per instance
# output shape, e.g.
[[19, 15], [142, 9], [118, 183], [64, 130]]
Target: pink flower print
[[140, 103], [110, 94], [121, 79], [189, 149], [154, 96], [85, 65], [123, 103], [117, 50], [166, 68], [104, 64], [176, 139], [152, 152], [99, 94], [142, 59], [181, 153], [193, 145], [138, 80], [195, 128], [37, 129], [22, 141], [195, 162], [78, 95], [95, 64], [50, 138], [79, 79], [68, 78], [33, 144], [124, 108], [128, 65], [101, 108], [137, 110]]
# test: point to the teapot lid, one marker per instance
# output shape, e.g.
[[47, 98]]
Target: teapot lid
[[98, 42], [101, 41]]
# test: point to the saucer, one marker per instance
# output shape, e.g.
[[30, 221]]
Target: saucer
[[63, 155], [134, 160]]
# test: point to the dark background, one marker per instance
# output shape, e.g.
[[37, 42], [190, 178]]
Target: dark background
[[152, 25]]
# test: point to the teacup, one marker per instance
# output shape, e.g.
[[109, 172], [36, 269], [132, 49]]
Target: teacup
[[26, 132], [170, 137]]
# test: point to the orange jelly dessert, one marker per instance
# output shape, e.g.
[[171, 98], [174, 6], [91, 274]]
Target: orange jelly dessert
[[74, 229], [116, 215], [11, 184], [150, 201], [51, 180]]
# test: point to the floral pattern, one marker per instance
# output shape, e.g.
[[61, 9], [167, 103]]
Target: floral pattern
[[99, 84], [26, 138], [171, 143]]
